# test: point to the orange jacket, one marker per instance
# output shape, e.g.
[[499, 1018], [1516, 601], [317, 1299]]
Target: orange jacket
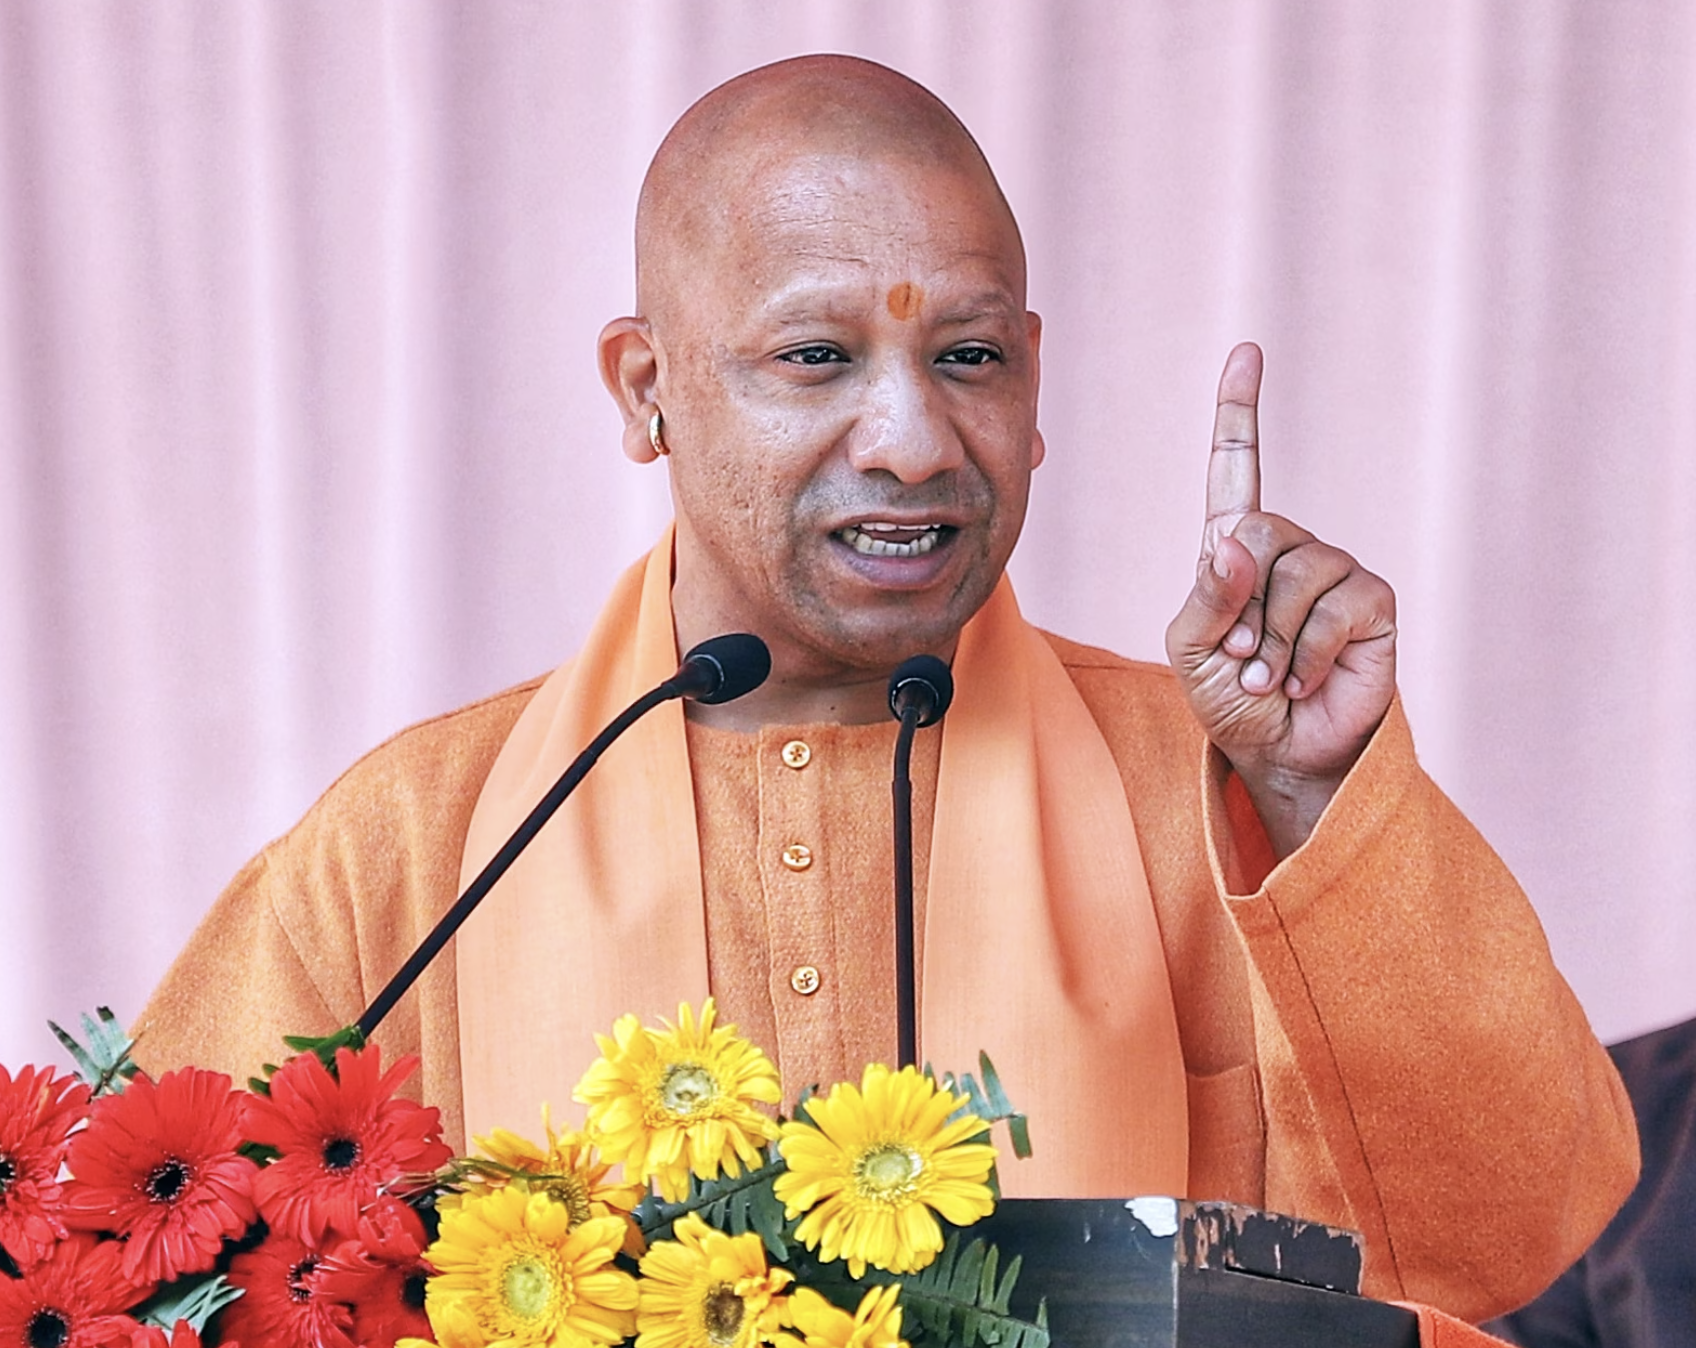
[[1373, 1031]]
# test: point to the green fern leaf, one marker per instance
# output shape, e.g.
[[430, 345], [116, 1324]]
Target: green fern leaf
[[990, 1103], [105, 1062], [733, 1205], [195, 1299], [960, 1299], [325, 1046], [767, 1217], [1002, 1108]]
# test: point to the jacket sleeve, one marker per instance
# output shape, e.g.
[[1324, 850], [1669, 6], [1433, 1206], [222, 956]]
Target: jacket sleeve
[[316, 925], [1428, 1077], [240, 984]]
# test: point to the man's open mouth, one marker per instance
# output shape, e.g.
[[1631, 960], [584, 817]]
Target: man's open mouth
[[875, 538]]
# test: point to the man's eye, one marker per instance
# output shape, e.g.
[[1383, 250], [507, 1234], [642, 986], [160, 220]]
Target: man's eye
[[817, 354], [971, 355]]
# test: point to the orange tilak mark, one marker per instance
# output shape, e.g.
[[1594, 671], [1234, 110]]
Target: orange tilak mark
[[904, 300]]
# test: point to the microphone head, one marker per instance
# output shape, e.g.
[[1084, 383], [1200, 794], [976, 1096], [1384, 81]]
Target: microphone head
[[922, 681], [722, 669]]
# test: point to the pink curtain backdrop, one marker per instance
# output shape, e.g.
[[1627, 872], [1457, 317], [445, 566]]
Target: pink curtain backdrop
[[301, 437]]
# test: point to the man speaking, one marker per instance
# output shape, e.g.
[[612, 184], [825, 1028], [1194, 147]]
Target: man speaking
[[1219, 933]]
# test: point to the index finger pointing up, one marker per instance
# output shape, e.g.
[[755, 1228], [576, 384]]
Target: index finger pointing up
[[1233, 466]]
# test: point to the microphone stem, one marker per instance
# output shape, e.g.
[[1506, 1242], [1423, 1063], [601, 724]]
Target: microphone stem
[[521, 838], [906, 978]]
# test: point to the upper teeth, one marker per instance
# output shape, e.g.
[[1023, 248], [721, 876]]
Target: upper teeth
[[859, 537]]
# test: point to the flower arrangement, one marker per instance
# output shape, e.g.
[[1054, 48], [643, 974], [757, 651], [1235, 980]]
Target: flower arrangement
[[318, 1209]]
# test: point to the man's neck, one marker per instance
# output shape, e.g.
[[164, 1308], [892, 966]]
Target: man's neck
[[807, 686], [853, 699]]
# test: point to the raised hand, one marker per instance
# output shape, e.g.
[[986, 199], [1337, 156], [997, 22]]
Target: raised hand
[[1286, 646]]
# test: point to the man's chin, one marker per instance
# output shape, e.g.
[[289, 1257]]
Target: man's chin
[[842, 621], [887, 638]]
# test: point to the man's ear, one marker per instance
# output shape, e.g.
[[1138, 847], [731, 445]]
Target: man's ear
[[630, 369], [1033, 326]]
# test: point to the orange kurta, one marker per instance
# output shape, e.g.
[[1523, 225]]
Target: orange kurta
[[801, 959], [1374, 1035]]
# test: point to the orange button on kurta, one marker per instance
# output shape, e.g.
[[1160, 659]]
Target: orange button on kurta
[[805, 980]]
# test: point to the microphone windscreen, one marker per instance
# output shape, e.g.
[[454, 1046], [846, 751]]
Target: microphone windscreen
[[722, 669], [924, 680]]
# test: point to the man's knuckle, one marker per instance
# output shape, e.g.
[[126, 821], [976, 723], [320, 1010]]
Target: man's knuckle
[[1381, 595], [1275, 643], [1256, 531]]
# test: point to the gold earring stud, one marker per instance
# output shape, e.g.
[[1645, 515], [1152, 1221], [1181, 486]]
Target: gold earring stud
[[656, 434]]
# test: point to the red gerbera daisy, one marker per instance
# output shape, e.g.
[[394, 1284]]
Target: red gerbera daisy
[[382, 1274], [342, 1139], [282, 1305], [73, 1298], [183, 1336], [37, 1112], [158, 1165]]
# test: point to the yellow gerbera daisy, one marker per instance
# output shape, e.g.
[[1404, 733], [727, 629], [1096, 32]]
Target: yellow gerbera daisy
[[668, 1102], [708, 1290], [874, 1165], [513, 1270], [876, 1324], [567, 1170], [453, 1326]]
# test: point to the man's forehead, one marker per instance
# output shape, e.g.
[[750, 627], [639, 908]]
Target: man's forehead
[[806, 145], [889, 209], [799, 173]]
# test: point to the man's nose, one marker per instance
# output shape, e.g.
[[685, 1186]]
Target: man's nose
[[904, 428]]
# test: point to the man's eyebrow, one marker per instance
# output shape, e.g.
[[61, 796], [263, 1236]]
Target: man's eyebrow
[[995, 302], [814, 300]]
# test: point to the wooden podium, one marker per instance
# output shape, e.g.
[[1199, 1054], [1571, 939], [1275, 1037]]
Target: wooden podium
[[1155, 1272]]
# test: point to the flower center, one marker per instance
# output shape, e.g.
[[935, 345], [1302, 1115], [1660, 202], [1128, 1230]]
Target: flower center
[[8, 1173], [167, 1180], [341, 1153], [412, 1290], [687, 1088], [722, 1312], [528, 1287], [574, 1194], [300, 1288], [888, 1172], [47, 1329]]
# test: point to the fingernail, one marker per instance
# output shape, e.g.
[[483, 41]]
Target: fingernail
[[1240, 639], [1257, 676], [1220, 568], [1292, 686]]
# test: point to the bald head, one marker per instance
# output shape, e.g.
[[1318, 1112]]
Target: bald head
[[754, 127]]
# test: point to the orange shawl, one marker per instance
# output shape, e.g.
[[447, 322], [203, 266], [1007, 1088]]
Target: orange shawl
[[1041, 945]]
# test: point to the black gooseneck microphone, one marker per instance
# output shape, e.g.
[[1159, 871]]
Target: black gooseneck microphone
[[920, 690], [718, 670]]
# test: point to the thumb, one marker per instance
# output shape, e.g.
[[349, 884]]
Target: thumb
[[1223, 585]]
